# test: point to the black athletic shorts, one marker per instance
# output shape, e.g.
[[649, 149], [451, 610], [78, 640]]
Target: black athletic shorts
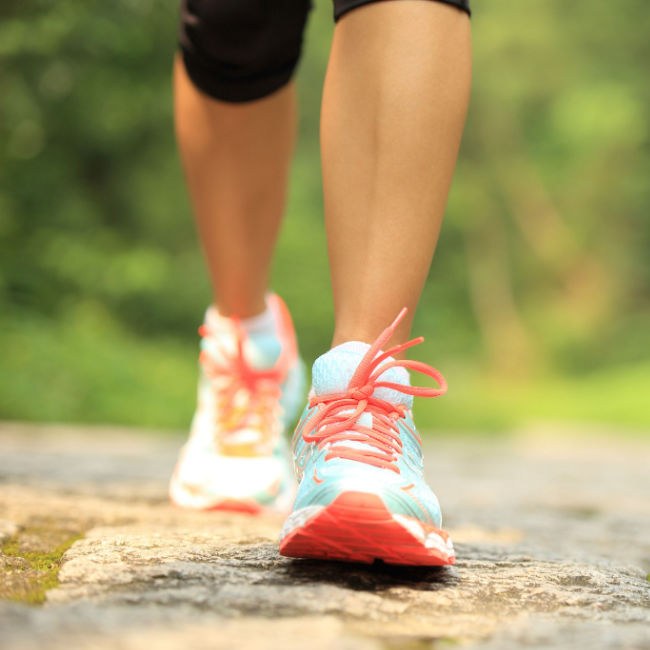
[[241, 50]]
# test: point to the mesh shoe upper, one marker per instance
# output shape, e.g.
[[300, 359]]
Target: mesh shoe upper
[[249, 391], [357, 431]]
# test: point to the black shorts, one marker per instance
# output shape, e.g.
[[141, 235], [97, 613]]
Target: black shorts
[[241, 50]]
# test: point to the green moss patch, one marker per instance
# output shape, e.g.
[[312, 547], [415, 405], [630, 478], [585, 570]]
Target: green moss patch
[[30, 562]]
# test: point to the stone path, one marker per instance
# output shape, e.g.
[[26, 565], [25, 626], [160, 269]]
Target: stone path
[[552, 536]]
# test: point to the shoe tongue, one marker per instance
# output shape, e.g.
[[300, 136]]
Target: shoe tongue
[[261, 350], [332, 372]]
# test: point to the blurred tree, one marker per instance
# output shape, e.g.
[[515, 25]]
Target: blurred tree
[[541, 267]]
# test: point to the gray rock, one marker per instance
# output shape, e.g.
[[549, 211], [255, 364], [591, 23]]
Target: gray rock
[[552, 537]]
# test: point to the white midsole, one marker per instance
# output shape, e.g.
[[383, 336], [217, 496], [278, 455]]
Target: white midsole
[[430, 539], [298, 518]]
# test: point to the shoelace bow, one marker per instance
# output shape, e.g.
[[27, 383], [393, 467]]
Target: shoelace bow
[[232, 376], [335, 419]]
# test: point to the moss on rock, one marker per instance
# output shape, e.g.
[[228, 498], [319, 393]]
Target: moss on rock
[[31, 559]]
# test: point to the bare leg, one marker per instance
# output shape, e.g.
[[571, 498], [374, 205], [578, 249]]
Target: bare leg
[[236, 159], [394, 105]]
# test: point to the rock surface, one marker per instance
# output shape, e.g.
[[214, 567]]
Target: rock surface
[[552, 535]]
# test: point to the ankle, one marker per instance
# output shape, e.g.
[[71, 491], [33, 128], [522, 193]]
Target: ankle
[[359, 334], [368, 336], [259, 322], [243, 309]]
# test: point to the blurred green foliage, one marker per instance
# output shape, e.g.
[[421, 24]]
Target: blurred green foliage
[[536, 306]]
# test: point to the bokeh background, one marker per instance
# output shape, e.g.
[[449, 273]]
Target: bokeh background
[[537, 306]]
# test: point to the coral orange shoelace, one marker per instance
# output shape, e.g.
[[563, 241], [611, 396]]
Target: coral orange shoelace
[[235, 381], [335, 419]]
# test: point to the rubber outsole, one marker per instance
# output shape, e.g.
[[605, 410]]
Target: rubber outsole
[[236, 505], [358, 527], [183, 497], [225, 505], [241, 506]]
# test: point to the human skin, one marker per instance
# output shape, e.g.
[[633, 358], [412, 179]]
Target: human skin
[[393, 109], [394, 104], [236, 158]]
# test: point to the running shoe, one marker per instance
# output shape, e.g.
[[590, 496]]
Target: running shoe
[[250, 391], [358, 457]]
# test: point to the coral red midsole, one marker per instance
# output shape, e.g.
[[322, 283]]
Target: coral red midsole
[[358, 527]]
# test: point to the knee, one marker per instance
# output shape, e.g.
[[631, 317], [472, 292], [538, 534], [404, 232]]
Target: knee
[[240, 50]]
